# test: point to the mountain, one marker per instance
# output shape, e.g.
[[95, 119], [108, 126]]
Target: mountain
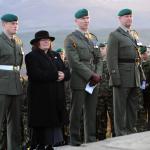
[[60, 36]]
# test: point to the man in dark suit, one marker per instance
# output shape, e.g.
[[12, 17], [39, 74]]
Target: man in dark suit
[[123, 65], [84, 59], [11, 56]]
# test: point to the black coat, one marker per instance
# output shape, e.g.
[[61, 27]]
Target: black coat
[[45, 93]]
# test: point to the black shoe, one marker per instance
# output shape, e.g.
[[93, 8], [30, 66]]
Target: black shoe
[[74, 144], [49, 147], [131, 131], [40, 147]]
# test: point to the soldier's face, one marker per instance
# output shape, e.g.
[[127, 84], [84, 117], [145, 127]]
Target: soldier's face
[[126, 20], [62, 55], [148, 51], [10, 27], [103, 51], [83, 23], [144, 56]]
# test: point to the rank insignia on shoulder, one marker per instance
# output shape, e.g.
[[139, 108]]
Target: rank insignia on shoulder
[[74, 45]]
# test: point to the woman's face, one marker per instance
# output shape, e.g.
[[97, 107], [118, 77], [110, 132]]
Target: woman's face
[[45, 44]]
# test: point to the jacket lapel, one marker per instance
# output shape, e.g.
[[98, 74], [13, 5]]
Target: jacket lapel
[[83, 38], [8, 40], [127, 35]]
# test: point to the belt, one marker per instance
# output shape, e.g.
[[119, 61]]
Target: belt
[[125, 60], [9, 67]]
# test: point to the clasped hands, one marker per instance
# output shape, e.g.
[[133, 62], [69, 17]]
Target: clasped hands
[[61, 76]]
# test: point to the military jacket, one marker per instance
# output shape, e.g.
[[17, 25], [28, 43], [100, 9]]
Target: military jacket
[[11, 53], [84, 59], [121, 55]]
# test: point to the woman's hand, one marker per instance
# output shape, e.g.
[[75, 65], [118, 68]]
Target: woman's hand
[[61, 76]]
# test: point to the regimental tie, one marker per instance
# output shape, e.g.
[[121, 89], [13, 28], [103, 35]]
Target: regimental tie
[[129, 32], [13, 41]]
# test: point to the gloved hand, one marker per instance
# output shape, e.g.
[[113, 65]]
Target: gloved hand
[[95, 78]]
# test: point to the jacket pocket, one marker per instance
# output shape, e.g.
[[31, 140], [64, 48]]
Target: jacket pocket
[[4, 74]]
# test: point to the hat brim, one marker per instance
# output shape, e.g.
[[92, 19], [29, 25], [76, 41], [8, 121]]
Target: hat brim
[[38, 39]]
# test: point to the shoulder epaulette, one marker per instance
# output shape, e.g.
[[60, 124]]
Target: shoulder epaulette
[[74, 44]]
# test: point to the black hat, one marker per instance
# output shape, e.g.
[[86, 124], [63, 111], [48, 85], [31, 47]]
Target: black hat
[[41, 35]]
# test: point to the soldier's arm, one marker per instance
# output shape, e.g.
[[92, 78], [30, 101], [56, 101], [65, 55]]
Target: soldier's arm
[[74, 60], [112, 58], [99, 65]]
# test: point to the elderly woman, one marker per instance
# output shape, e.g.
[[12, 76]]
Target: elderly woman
[[46, 74]]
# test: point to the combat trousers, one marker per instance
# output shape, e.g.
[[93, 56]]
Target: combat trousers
[[83, 100], [125, 104], [10, 108]]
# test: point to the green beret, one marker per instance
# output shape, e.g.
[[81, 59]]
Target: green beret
[[125, 12], [81, 13], [60, 50], [9, 18], [142, 49], [102, 45]]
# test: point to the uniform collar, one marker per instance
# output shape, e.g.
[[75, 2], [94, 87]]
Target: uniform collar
[[8, 36], [83, 32], [124, 28]]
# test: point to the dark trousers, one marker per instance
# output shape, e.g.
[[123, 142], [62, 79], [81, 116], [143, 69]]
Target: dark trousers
[[3, 136], [10, 108], [125, 103], [83, 100]]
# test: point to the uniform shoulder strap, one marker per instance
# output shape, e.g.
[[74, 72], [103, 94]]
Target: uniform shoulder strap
[[73, 39]]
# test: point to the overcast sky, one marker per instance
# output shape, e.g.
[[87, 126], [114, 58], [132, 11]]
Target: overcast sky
[[59, 14]]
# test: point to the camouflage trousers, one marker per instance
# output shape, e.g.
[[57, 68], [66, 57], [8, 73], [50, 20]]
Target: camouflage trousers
[[104, 117], [141, 113]]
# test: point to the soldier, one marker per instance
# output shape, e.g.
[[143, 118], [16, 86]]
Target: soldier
[[146, 91], [61, 52], [105, 100], [11, 56], [123, 65], [86, 67], [24, 114], [68, 96]]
